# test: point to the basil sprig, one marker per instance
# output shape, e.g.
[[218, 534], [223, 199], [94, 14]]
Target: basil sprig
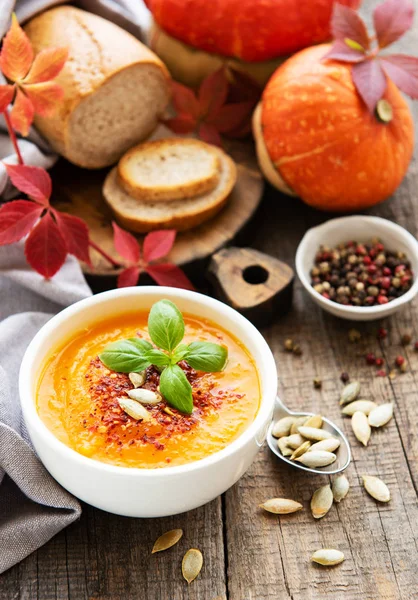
[[166, 330]]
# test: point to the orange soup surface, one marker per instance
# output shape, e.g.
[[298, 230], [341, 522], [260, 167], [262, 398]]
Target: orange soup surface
[[77, 399]]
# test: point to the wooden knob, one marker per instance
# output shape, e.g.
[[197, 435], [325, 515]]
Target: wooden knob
[[257, 285]]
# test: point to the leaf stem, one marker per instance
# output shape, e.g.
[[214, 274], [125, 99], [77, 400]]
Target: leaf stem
[[13, 137], [105, 255]]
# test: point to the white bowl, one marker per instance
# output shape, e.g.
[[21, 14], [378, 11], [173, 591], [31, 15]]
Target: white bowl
[[362, 229], [145, 492]]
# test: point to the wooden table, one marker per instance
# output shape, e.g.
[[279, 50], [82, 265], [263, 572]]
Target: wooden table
[[248, 554]]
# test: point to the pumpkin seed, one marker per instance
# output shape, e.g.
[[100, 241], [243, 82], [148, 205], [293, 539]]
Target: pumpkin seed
[[321, 501], [167, 540], [361, 427], [192, 564], [134, 409], [364, 406], [312, 433], [298, 422], [295, 440], [314, 421], [381, 415], [282, 427], [350, 393], [328, 445], [317, 458], [340, 487], [301, 450], [138, 379], [283, 447], [376, 488], [144, 396], [281, 506], [327, 557]]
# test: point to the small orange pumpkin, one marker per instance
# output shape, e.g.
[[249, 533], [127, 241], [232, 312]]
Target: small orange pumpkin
[[316, 139]]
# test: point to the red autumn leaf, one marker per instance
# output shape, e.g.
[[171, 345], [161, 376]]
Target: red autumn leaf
[[213, 92], [45, 248], [6, 96], [231, 116], [403, 71], [340, 51], [209, 134], [370, 82], [184, 100], [346, 24], [22, 113], [126, 244], [17, 219], [242, 87], [33, 181], [75, 233], [44, 96], [129, 277], [392, 19], [158, 244], [169, 275], [16, 55], [47, 65], [181, 124]]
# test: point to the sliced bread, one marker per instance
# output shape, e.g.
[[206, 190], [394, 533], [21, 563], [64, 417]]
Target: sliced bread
[[142, 216], [171, 169]]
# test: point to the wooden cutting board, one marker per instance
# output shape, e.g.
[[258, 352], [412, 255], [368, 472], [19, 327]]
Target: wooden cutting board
[[79, 192]]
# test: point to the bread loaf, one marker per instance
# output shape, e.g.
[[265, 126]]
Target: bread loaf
[[115, 88]]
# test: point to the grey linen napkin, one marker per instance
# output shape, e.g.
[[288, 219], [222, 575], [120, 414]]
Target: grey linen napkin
[[33, 506], [129, 14]]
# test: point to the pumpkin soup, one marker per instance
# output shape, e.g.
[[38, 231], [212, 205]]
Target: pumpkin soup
[[137, 414]]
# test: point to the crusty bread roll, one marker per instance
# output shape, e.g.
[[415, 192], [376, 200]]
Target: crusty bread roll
[[171, 169], [115, 88], [142, 216]]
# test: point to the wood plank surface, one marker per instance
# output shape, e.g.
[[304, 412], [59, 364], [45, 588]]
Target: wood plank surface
[[251, 555]]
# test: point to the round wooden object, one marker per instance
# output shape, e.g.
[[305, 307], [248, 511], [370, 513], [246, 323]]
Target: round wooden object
[[79, 192]]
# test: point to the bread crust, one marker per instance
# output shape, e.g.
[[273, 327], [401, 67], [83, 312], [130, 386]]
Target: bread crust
[[189, 218], [98, 50], [194, 187]]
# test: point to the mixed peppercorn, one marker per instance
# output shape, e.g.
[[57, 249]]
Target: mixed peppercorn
[[356, 274]]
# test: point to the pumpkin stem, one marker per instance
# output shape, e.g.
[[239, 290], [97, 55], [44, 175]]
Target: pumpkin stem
[[384, 111]]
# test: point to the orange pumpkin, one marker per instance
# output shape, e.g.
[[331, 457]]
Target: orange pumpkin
[[316, 139]]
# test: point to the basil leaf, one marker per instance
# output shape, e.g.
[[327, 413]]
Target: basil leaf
[[179, 353], [126, 356], [206, 356], [165, 325], [158, 358], [176, 389]]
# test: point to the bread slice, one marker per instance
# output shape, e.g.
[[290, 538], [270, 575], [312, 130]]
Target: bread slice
[[115, 89], [171, 169], [141, 216]]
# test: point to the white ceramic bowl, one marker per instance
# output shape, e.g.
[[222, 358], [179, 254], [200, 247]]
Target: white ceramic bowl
[[362, 229], [145, 492]]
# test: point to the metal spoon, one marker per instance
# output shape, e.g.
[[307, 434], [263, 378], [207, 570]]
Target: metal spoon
[[343, 453]]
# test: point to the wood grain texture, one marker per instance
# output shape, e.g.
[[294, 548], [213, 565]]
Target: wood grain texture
[[249, 554]]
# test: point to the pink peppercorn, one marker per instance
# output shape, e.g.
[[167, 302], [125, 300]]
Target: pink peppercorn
[[382, 300], [386, 271], [399, 361], [382, 333], [416, 346], [381, 373], [379, 361], [385, 283], [370, 359]]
